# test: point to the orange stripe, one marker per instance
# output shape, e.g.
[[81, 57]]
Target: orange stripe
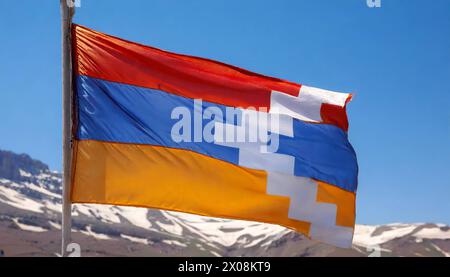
[[180, 180], [344, 201]]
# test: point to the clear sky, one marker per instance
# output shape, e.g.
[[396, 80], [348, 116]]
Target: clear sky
[[395, 59]]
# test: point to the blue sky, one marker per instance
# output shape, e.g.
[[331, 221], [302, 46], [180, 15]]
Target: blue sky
[[395, 59]]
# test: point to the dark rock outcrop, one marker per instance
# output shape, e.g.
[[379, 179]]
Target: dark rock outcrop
[[11, 163]]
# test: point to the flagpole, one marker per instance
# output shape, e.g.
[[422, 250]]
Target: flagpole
[[67, 12]]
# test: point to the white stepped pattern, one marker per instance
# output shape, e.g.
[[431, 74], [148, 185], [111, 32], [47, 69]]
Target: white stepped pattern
[[281, 181]]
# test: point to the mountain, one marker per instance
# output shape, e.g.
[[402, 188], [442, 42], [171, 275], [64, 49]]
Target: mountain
[[30, 224]]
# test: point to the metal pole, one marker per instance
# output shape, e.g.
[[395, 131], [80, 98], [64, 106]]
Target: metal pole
[[67, 12]]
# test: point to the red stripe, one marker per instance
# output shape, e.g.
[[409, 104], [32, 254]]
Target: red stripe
[[109, 58], [333, 114]]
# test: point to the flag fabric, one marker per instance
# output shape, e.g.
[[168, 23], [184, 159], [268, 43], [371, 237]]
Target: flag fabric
[[151, 129]]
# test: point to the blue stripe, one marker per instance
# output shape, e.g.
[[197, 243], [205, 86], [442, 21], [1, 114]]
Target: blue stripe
[[115, 112]]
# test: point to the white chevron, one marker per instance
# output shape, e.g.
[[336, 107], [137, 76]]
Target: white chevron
[[308, 103], [303, 206], [281, 181]]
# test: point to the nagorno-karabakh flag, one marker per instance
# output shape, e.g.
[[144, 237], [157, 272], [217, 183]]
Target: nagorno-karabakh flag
[[126, 153]]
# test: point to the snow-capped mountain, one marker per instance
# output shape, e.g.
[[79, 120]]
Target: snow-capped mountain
[[30, 223]]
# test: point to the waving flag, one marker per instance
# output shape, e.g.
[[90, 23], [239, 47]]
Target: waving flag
[[169, 131]]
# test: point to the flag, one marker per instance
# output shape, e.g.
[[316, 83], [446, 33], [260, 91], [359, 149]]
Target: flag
[[169, 131]]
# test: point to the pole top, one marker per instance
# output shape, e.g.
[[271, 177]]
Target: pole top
[[68, 7]]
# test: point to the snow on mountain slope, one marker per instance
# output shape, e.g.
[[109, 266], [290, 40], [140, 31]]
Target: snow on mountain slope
[[30, 205]]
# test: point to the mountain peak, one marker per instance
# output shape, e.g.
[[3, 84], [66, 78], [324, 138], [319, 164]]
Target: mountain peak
[[17, 166]]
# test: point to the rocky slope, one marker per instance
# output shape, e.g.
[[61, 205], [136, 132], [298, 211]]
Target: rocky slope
[[30, 205]]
